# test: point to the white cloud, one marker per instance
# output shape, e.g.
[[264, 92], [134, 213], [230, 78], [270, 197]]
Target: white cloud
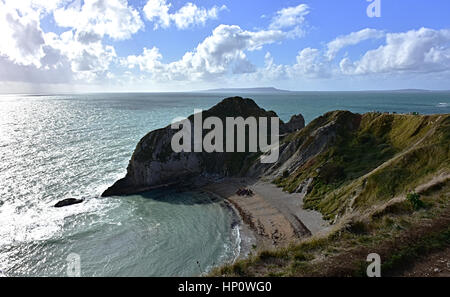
[[81, 54], [13, 72], [87, 61], [290, 17], [36, 7], [114, 18], [416, 51], [310, 64], [219, 54], [22, 38], [77, 55], [150, 60], [89, 22], [269, 73], [351, 39], [190, 14], [158, 11]]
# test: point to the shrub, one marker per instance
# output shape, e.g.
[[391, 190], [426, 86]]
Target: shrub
[[415, 201]]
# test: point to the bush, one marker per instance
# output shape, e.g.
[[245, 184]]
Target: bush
[[415, 201]]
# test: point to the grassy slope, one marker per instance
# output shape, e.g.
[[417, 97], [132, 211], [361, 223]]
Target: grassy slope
[[362, 180], [344, 175], [397, 232]]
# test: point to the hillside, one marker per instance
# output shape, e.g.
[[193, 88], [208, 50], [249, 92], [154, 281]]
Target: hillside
[[381, 179], [368, 159]]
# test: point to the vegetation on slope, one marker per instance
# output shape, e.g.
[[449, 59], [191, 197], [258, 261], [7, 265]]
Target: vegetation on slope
[[346, 175], [384, 182], [398, 232]]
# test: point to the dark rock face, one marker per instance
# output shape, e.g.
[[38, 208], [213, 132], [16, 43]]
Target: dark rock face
[[307, 143], [297, 122], [67, 202], [154, 163]]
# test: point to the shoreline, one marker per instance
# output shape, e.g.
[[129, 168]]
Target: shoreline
[[247, 238], [268, 219]]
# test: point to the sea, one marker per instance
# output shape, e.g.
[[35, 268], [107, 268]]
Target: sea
[[54, 147]]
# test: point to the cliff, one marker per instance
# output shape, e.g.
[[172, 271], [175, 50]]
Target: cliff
[[154, 163]]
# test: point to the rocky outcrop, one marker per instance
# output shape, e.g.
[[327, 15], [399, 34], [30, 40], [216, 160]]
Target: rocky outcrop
[[155, 164], [297, 122], [299, 147], [68, 201]]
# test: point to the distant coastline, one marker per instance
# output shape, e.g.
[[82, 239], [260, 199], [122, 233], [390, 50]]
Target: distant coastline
[[273, 90], [246, 90]]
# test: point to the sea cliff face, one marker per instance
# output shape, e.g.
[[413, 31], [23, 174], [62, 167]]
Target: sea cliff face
[[154, 163]]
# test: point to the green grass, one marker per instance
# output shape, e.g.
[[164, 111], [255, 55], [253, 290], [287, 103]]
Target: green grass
[[380, 137]]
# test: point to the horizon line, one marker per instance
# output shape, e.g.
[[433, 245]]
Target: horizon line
[[224, 90]]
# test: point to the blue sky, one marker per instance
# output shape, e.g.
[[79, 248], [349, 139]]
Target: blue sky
[[171, 45]]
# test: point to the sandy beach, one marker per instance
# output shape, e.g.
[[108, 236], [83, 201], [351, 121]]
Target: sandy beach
[[275, 217]]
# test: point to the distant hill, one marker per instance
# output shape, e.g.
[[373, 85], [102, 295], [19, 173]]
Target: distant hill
[[246, 90]]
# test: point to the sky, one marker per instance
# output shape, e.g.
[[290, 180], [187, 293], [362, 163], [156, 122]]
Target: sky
[[171, 45]]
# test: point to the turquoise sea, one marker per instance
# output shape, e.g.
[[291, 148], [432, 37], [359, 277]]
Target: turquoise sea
[[58, 146]]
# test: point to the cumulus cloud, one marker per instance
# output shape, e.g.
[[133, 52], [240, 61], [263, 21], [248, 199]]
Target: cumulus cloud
[[22, 38], [309, 64], [416, 51], [269, 73], [190, 14], [290, 18], [87, 61], [351, 39], [114, 18], [82, 51], [150, 60], [218, 54], [77, 54], [13, 72]]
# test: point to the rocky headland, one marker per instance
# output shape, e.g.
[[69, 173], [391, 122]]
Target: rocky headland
[[344, 177]]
